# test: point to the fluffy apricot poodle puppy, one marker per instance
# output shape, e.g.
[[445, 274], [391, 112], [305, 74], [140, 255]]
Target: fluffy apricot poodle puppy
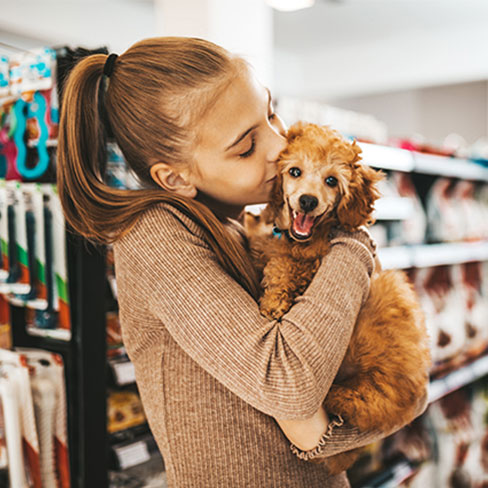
[[323, 185]]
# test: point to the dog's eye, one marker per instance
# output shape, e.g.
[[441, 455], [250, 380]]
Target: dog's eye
[[295, 172], [331, 181]]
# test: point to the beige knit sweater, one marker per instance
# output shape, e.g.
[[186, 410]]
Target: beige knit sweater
[[212, 372]]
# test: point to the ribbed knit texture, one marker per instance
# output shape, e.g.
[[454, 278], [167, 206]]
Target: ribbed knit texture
[[212, 372]]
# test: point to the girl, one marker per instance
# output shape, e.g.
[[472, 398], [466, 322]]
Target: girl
[[216, 378]]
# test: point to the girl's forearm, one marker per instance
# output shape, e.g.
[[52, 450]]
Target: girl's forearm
[[305, 434]]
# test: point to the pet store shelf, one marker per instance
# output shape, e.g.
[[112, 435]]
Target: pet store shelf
[[58, 334], [385, 157], [129, 454], [393, 208], [397, 159], [392, 476], [458, 378], [123, 371], [427, 255], [452, 167]]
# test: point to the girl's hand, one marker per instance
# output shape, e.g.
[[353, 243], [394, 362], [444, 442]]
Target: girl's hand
[[305, 434]]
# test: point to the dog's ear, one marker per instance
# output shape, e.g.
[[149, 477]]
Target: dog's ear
[[276, 203], [356, 206], [250, 221], [296, 130]]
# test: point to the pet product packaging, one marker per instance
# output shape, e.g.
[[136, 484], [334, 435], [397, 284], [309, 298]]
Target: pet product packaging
[[19, 419], [124, 410], [49, 392], [443, 306], [442, 213], [476, 307], [60, 259], [413, 228]]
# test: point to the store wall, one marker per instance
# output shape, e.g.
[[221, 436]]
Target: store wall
[[244, 28], [433, 112], [352, 48], [113, 23]]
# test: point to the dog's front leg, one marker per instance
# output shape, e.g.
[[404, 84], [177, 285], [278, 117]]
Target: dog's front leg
[[283, 280]]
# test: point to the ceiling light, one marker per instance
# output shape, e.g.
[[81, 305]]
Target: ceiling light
[[289, 5]]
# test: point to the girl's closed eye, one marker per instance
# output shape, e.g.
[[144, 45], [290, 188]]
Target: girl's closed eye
[[250, 151]]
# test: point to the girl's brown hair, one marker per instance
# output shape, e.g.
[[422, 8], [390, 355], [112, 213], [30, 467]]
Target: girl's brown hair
[[145, 110]]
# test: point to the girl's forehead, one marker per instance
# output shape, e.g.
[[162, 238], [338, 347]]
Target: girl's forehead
[[233, 111]]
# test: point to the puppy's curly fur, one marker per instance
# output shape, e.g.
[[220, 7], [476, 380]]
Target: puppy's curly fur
[[322, 185]]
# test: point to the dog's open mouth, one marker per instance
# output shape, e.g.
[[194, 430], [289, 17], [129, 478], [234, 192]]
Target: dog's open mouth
[[301, 225]]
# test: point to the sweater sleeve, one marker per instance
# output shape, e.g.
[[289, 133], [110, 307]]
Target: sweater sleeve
[[341, 437], [282, 368]]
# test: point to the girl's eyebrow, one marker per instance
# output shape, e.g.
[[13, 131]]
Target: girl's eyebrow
[[244, 134]]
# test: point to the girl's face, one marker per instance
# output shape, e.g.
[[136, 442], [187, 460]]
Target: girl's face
[[240, 138]]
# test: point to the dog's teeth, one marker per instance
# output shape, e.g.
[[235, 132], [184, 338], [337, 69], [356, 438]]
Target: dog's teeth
[[295, 214]]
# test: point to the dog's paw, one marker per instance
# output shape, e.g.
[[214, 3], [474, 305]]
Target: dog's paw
[[272, 308], [340, 401]]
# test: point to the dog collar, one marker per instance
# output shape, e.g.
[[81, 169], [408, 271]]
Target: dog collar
[[277, 232]]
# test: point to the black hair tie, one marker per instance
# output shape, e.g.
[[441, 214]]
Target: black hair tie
[[109, 64]]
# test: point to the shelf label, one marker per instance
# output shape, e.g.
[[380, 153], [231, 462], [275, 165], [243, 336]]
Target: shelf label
[[132, 455], [124, 372]]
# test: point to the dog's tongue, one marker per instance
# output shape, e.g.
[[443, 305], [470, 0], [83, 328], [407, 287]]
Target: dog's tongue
[[302, 224]]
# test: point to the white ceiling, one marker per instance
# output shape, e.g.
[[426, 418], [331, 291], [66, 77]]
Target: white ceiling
[[346, 48], [349, 22], [337, 48]]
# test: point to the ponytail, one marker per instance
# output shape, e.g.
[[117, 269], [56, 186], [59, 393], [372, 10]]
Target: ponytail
[[102, 213]]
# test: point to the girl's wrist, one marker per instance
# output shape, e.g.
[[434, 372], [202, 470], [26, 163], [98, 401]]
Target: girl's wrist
[[334, 422]]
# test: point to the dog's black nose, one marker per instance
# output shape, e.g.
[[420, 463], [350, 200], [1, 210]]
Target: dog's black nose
[[308, 202]]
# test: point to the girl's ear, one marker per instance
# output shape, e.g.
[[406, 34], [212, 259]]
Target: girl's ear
[[356, 206], [169, 179]]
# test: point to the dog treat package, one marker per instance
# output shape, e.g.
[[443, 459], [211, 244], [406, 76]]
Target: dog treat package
[[484, 280], [445, 447], [442, 215], [460, 422], [381, 230], [49, 393], [386, 232], [124, 410], [415, 443], [441, 298], [22, 441], [457, 211], [412, 229], [481, 196], [470, 216], [476, 307]]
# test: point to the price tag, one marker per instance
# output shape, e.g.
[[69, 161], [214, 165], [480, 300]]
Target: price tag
[[113, 285], [124, 372], [132, 455]]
